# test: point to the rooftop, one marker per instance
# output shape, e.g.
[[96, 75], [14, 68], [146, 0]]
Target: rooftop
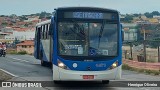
[[27, 42]]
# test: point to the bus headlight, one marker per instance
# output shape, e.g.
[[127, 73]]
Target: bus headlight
[[62, 65], [114, 65]]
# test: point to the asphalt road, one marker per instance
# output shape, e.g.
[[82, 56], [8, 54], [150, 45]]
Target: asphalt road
[[27, 68]]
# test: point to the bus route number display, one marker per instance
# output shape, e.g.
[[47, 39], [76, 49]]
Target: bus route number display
[[91, 15]]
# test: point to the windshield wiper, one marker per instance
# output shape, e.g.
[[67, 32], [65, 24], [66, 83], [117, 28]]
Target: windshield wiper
[[100, 33], [81, 28]]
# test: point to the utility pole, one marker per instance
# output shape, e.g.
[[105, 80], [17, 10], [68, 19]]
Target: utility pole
[[131, 50], [144, 34], [158, 53], [144, 43], [144, 49]]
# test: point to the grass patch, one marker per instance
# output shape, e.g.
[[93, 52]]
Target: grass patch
[[18, 53], [22, 52], [146, 71], [11, 51]]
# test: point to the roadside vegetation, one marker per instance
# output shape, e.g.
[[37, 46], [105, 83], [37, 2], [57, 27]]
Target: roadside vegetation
[[146, 71], [17, 53]]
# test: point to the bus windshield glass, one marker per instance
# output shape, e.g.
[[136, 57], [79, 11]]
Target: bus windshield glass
[[84, 38]]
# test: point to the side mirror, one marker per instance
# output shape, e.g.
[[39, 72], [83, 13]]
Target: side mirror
[[122, 33]]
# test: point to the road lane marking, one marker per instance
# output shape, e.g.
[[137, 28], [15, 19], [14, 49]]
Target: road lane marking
[[23, 60], [20, 59], [8, 73], [17, 59]]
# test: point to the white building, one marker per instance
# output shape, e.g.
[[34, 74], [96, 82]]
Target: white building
[[9, 37], [155, 16], [9, 34], [24, 35], [30, 19]]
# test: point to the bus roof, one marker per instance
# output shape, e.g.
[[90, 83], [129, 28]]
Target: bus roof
[[87, 8], [44, 22]]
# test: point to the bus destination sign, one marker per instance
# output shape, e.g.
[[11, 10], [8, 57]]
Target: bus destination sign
[[90, 15]]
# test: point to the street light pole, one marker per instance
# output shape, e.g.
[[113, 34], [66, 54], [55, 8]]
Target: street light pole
[[144, 34], [144, 43]]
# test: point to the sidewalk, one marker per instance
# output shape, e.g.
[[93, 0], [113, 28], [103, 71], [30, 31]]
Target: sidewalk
[[142, 65]]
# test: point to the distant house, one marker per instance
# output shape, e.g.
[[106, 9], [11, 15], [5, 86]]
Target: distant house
[[2, 36], [24, 34], [27, 46]]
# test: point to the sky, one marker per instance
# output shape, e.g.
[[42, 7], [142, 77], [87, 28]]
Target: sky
[[26, 7]]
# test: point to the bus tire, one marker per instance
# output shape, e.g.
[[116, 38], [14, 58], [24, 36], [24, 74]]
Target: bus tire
[[105, 81], [56, 82], [41, 58], [42, 63], [51, 65]]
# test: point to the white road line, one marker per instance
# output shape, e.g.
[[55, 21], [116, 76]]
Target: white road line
[[23, 60], [19, 59], [8, 72]]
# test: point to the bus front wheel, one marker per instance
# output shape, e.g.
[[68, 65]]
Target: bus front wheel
[[56, 82], [41, 58], [105, 81]]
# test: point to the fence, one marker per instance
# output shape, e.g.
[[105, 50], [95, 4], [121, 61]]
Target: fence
[[147, 51]]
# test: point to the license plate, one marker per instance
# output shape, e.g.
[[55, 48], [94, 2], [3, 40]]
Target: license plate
[[88, 76]]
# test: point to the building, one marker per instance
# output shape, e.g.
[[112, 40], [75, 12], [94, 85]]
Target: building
[[2, 36], [32, 18], [27, 46], [9, 34], [130, 32], [24, 34]]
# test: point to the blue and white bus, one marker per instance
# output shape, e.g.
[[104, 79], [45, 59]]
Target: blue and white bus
[[81, 44]]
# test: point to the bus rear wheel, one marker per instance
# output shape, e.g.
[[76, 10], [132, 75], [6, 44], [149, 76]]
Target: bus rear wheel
[[105, 81], [42, 63], [41, 58]]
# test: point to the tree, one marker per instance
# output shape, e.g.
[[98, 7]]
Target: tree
[[155, 13], [136, 15], [148, 15], [128, 18], [23, 18], [13, 16], [4, 24], [44, 15]]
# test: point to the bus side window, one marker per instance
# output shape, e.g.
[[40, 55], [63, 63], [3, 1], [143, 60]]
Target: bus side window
[[51, 29], [41, 32], [48, 31], [44, 31]]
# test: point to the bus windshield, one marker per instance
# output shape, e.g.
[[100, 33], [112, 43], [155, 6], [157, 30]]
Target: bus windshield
[[87, 38]]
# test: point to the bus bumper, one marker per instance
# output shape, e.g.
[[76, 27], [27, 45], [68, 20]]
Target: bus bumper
[[70, 75]]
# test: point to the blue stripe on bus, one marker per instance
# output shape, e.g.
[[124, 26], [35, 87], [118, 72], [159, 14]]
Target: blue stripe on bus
[[82, 65]]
